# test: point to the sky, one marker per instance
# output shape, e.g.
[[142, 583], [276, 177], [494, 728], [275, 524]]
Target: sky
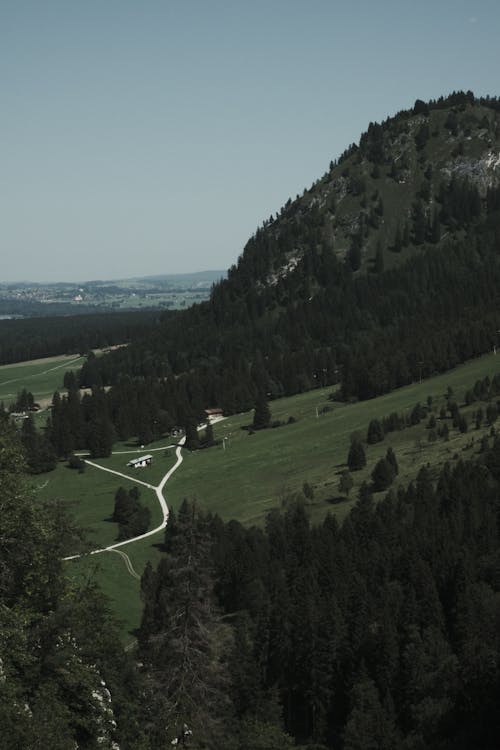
[[144, 137]]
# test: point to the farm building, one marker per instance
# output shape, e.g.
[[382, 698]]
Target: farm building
[[140, 463], [214, 414]]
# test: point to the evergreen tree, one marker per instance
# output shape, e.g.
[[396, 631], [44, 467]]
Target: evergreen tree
[[192, 437], [382, 475], [262, 413], [132, 517], [61, 660], [356, 458], [40, 455], [182, 656], [375, 432]]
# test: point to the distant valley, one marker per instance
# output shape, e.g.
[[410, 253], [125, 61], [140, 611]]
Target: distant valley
[[166, 291]]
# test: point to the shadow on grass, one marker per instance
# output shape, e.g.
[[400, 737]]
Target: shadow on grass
[[337, 500]]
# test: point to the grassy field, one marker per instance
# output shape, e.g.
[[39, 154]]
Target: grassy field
[[122, 589], [246, 475], [256, 472], [90, 496], [42, 377]]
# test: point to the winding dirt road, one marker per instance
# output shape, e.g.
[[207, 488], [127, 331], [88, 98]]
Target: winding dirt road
[[161, 499]]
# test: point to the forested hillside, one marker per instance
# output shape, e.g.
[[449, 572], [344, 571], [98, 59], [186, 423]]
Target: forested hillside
[[386, 270], [380, 634]]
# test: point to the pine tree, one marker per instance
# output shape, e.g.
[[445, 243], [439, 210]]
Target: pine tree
[[356, 458], [40, 455], [57, 644], [262, 413], [192, 438], [375, 432], [382, 475], [182, 644]]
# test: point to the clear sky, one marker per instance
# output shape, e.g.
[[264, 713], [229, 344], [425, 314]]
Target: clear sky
[[154, 136]]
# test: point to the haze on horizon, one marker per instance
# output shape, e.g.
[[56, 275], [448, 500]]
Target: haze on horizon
[[154, 138]]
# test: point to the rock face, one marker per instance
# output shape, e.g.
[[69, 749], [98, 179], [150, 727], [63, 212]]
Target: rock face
[[483, 172], [386, 192]]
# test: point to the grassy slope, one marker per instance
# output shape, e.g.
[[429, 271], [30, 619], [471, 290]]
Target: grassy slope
[[42, 377], [257, 472], [90, 499]]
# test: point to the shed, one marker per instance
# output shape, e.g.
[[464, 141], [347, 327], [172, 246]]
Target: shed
[[141, 463]]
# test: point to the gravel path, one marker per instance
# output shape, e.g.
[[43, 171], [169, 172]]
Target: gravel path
[[159, 494]]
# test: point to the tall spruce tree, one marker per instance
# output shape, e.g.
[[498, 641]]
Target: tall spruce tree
[[262, 413], [356, 458], [181, 645]]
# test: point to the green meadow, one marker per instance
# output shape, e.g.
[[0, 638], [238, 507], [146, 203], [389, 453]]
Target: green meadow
[[257, 472], [42, 377], [245, 475]]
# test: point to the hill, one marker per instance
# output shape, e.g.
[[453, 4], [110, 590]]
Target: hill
[[385, 271]]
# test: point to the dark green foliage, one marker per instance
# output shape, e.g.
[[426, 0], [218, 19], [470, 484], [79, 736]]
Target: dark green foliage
[[192, 438], [420, 107], [100, 436], [382, 475], [369, 726], [422, 136], [393, 422], [132, 517], [182, 642], [404, 645], [418, 413], [356, 458], [23, 402], [43, 336], [375, 432], [491, 413], [75, 462], [346, 483], [65, 680], [40, 455], [70, 381], [262, 413]]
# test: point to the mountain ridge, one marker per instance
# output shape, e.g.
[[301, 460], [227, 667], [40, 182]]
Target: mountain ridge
[[395, 279]]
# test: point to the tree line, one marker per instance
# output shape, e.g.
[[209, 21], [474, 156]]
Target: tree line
[[34, 338]]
